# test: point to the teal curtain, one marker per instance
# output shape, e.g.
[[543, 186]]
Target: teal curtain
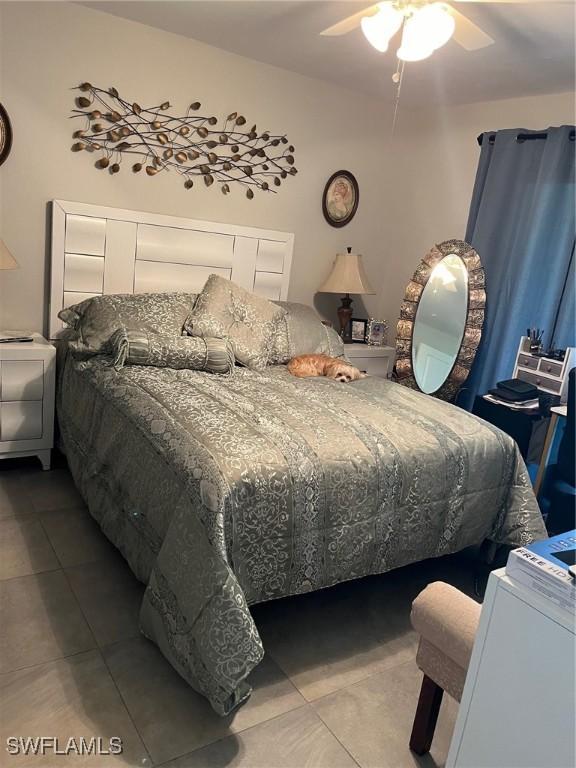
[[522, 223]]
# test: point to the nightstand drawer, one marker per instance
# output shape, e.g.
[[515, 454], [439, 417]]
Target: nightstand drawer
[[373, 366], [21, 380], [373, 360], [20, 420]]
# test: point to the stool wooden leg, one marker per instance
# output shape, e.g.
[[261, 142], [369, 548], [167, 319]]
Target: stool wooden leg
[[426, 716]]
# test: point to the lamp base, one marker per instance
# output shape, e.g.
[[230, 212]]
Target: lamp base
[[344, 316]]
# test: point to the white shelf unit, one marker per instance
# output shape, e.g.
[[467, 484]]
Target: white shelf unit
[[545, 373]]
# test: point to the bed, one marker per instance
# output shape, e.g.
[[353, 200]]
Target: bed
[[222, 492]]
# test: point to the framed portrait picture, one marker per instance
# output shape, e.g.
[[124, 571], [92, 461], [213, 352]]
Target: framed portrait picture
[[340, 199], [5, 135], [358, 330], [376, 332]]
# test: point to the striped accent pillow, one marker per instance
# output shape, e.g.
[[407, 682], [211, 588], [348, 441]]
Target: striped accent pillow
[[136, 347]]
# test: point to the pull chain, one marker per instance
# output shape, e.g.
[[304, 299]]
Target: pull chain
[[397, 78]]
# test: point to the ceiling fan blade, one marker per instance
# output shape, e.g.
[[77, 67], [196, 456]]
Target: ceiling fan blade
[[347, 25], [467, 34]]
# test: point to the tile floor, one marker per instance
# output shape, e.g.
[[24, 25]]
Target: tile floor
[[338, 686]]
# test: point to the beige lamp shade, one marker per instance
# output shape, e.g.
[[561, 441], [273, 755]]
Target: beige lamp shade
[[7, 261], [347, 276]]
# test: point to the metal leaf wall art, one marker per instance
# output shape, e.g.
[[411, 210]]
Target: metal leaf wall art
[[153, 140]]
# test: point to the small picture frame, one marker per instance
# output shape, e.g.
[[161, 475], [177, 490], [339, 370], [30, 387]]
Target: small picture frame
[[376, 332], [358, 330]]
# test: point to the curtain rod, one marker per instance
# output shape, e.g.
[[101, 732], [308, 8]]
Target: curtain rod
[[525, 137]]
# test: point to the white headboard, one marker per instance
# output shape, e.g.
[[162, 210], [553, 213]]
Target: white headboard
[[99, 250]]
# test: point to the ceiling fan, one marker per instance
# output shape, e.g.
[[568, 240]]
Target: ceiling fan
[[426, 26]]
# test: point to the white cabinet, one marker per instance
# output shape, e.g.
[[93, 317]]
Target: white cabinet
[[518, 703], [375, 361], [544, 373], [27, 384]]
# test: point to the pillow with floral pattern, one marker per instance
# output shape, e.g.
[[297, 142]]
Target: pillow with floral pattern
[[226, 310], [301, 332], [95, 319]]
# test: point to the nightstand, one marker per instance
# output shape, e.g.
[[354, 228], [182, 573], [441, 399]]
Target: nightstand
[[375, 361], [27, 387]]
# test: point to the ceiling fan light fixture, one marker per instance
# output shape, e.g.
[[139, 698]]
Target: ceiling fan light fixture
[[414, 46], [380, 28], [435, 23]]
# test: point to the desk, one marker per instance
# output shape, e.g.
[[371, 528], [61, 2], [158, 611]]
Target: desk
[[556, 412], [518, 424]]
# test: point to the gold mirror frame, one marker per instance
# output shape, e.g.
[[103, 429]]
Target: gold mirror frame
[[474, 318]]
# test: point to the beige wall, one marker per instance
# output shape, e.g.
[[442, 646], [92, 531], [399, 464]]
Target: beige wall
[[414, 189], [47, 48]]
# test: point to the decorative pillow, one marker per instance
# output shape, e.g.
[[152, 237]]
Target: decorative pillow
[[301, 332], [226, 310], [142, 348], [97, 318]]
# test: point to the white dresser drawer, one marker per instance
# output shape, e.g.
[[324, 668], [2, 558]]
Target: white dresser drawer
[[528, 361], [540, 381], [550, 367], [21, 380], [373, 366], [373, 360], [21, 420]]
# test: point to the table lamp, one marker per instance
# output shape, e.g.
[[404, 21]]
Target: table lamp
[[347, 276], [7, 261]]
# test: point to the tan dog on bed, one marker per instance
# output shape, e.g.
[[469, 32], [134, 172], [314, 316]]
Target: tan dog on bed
[[324, 365]]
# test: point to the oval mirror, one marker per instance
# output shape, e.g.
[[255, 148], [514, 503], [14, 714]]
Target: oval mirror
[[440, 323], [441, 320]]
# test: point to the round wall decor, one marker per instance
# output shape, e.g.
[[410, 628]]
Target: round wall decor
[[340, 198], [5, 135]]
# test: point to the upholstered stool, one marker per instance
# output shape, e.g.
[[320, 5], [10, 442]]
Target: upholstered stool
[[446, 621]]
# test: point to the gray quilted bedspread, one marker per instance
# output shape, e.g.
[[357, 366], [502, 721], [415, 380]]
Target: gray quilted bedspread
[[225, 491]]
